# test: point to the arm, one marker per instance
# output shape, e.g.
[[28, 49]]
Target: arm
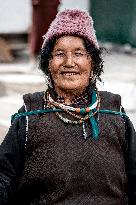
[[131, 161], [11, 160]]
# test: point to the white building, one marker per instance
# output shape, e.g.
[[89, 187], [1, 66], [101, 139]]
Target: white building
[[15, 15]]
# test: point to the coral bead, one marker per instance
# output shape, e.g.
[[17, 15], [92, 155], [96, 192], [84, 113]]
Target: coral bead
[[87, 109], [78, 110]]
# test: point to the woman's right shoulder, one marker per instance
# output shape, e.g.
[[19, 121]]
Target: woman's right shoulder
[[33, 101], [32, 96]]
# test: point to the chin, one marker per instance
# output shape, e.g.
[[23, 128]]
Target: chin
[[73, 88]]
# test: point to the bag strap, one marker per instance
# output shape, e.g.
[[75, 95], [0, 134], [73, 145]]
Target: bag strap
[[36, 112]]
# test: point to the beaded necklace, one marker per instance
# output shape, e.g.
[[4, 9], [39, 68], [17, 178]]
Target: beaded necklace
[[81, 119], [90, 111], [69, 108]]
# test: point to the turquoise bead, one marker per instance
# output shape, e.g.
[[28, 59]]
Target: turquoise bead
[[82, 111]]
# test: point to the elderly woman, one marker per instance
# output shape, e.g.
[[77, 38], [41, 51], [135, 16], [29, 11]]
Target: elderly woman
[[71, 144]]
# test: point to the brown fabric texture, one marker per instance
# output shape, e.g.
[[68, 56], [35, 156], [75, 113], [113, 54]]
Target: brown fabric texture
[[62, 168]]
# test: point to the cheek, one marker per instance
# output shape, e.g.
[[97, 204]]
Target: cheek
[[55, 67], [85, 65], [86, 70]]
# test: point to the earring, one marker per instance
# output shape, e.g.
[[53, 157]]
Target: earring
[[91, 74], [93, 78]]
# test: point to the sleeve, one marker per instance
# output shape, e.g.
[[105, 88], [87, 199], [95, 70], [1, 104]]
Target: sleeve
[[11, 160], [131, 161]]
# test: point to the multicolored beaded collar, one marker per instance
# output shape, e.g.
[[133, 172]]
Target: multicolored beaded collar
[[89, 113], [73, 109]]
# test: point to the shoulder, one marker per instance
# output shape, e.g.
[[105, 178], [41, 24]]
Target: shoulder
[[33, 101], [110, 96], [110, 100], [30, 96]]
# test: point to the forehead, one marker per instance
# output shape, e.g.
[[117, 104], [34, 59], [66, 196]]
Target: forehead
[[69, 42]]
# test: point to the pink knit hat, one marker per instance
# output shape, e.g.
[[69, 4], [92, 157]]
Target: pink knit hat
[[72, 22]]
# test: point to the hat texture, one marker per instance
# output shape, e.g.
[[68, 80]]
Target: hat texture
[[72, 22]]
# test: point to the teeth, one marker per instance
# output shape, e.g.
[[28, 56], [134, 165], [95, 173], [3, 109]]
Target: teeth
[[69, 74]]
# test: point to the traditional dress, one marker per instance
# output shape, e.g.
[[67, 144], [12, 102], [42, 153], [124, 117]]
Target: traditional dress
[[59, 166]]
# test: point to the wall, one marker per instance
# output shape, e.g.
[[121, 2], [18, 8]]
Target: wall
[[15, 15], [83, 4], [115, 20]]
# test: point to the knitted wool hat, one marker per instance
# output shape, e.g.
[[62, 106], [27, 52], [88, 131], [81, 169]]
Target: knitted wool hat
[[72, 22]]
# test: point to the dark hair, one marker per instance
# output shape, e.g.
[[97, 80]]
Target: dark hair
[[96, 55]]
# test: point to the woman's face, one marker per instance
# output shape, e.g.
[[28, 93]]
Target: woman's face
[[70, 65]]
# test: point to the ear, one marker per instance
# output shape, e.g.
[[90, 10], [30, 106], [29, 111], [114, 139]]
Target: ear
[[91, 66], [49, 66]]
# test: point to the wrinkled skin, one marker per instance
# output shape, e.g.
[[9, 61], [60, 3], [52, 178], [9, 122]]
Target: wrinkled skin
[[70, 67]]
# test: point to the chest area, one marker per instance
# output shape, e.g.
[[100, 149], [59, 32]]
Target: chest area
[[62, 145]]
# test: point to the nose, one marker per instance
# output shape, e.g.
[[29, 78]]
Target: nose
[[69, 60]]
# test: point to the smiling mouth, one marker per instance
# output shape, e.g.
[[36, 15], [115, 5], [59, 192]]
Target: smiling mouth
[[70, 73]]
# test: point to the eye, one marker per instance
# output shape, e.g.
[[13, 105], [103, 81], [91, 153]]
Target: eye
[[59, 54], [78, 54]]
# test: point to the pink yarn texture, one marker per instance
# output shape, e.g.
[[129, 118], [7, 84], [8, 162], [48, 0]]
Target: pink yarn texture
[[72, 22]]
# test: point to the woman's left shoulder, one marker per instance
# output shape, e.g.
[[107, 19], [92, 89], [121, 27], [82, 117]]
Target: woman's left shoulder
[[110, 95], [110, 100]]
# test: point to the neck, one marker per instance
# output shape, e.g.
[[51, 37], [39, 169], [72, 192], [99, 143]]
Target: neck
[[69, 96]]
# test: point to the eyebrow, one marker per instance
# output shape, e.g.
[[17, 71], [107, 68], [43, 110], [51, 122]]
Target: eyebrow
[[76, 49], [58, 49], [80, 49]]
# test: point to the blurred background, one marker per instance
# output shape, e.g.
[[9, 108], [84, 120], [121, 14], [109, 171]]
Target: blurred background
[[22, 24]]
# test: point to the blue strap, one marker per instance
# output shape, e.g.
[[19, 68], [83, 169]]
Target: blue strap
[[94, 97], [95, 128], [113, 112], [93, 121], [34, 112]]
